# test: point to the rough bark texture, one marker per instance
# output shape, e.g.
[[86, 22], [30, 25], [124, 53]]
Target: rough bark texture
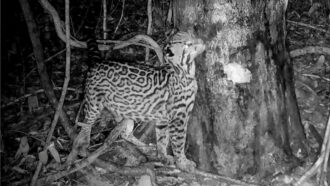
[[242, 128]]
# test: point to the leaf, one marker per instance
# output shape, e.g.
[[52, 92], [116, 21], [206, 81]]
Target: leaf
[[33, 103], [20, 170], [43, 156], [54, 152], [23, 148], [144, 181]]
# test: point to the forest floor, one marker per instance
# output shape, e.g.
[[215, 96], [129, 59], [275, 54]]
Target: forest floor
[[26, 115]]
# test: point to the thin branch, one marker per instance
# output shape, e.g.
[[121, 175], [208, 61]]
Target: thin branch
[[105, 29], [34, 93], [58, 25], [169, 14], [316, 76], [149, 9], [65, 86], [307, 25], [75, 43], [47, 60], [136, 39], [310, 50], [34, 34], [28, 135], [121, 16]]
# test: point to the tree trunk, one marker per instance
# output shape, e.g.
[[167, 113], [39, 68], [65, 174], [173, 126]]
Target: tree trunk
[[245, 117]]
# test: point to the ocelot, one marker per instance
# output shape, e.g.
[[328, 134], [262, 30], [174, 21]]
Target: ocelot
[[164, 95]]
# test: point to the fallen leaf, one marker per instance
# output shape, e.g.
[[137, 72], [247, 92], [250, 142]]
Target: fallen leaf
[[33, 103], [23, 148], [54, 152], [20, 170], [144, 181], [43, 156]]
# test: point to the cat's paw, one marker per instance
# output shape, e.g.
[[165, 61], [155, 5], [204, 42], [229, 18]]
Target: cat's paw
[[166, 159], [186, 165]]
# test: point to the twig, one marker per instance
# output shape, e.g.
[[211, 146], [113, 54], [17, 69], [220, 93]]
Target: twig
[[58, 25], [80, 109], [310, 50], [306, 86], [169, 14], [65, 86], [316, 76], [48, 59], [308, 26], [129, 42], [121, 16], [28, 135], [73, 41], [34, 93], [105, 33], [59, 28], [149, 9]]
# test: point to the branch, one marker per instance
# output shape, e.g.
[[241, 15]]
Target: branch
[[105, 29], [34, 93], [310, 50], [321, 161], [74, 42], [307, 25], [151, 44], [121, 16], [58, 25], [149, 9], [87, 161], [39, 56], [64, 90]]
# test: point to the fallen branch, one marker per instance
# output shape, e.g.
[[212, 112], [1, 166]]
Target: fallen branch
[[316, 76], [128, 171], [320, 166], [310, 50], [170, 174], [307, 25], [87, 161]]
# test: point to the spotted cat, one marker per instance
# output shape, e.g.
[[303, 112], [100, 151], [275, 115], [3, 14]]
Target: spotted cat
[[164, 95]]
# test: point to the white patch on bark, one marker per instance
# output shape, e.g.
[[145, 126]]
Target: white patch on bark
[[237, 73]]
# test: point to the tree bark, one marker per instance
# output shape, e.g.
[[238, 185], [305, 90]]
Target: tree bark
[[245, 119], [39, 56]]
